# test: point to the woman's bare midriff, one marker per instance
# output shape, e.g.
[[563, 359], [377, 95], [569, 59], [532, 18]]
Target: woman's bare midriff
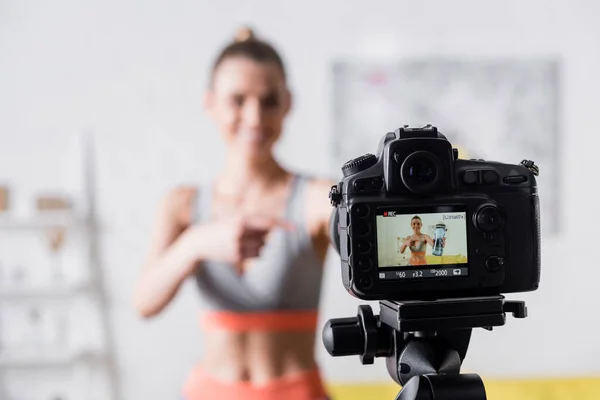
[[257, 357]]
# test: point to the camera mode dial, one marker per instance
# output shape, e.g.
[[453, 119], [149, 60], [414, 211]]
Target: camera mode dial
[[359, 164]]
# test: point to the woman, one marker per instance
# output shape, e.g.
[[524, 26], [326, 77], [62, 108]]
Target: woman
[[417, 243], [254, 240]]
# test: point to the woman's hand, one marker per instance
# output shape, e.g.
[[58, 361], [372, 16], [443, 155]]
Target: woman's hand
[[409, 241], [235, 239]]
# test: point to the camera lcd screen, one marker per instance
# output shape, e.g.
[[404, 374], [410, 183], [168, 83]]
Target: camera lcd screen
[[416, 244]]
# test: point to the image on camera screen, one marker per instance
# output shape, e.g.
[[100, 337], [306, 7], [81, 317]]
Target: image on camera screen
[[421, 239]]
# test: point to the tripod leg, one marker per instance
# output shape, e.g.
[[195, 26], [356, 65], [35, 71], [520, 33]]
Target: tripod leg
[[443, 387], [417, 388]]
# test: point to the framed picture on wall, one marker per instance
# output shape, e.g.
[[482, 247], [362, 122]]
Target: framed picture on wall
[[503, 110]]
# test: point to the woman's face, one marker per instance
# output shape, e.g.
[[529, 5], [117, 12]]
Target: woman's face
[[416, 224], [249, 101]]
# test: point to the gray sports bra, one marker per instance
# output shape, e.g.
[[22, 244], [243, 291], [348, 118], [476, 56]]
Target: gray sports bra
[[419, 246], [286, 276]]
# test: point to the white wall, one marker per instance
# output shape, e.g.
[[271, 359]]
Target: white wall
[[131, 72]]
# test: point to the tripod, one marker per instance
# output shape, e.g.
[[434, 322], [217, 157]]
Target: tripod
[[424, 343]]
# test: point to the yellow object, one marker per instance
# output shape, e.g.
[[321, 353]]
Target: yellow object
[[463, 154], [446, 259], [496, 389]]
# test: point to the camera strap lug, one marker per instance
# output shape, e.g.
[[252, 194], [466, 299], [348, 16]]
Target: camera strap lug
[[335, 197], [530, 165]]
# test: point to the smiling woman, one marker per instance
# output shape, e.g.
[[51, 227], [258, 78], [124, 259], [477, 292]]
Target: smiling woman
[[248, 97], [254, 240]]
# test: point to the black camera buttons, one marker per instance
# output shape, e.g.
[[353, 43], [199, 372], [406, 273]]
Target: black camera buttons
[[359, 185], [368, 185], [377, 183], [364, 263], [489, 176], [515, 179], [361, 210], [480, 176], [487, 219], [361, 229], [494, 263], [470, 177], [365, 282], [363, 247]]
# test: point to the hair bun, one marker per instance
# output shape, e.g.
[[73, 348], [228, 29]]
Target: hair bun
[[244, 34]]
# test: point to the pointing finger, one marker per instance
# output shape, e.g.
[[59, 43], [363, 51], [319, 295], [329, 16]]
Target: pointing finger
[[267, 223]]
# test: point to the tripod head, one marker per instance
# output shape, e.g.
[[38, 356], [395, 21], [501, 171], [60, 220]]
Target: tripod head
[[424, 342]]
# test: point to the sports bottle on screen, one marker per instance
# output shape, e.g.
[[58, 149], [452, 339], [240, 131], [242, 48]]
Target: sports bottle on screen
[[438, 236]]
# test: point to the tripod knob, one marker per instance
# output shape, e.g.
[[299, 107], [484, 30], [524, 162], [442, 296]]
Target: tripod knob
[[343, 337]]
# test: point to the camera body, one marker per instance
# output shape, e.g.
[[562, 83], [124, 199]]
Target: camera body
[[415, 222]]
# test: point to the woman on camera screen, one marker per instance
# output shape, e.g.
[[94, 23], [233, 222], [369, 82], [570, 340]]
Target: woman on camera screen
[[254, 240], [417, 243]]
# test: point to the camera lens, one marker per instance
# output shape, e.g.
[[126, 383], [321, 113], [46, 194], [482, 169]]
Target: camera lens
[[421, 171], [488, 219]]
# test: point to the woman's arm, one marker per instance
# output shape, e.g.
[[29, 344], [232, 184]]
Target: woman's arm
[[403, 246], [429, 240], [176, 248], [172, 255]]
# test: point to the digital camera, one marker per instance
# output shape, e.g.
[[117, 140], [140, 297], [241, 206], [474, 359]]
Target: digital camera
[[415, 222]]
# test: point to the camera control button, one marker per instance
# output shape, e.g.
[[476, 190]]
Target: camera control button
[[514, 179], [365, 282], [377, 183], [361, 210], [364, 264], [363, 247], [361, 229], [490, 176], [470, 177], [359, 185], [494, 263], [488, 219]]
